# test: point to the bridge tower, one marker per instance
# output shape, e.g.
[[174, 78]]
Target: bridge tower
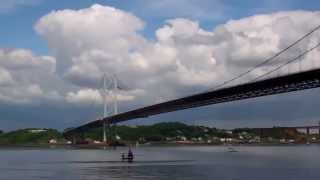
[[308, 134], [115, 103], [106, 125], [115, 99], [319, 131], [104, 95]]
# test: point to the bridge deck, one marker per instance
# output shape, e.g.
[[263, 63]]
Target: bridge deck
[[293, 82]]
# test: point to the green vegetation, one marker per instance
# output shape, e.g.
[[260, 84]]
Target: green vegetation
[[159, 132], [275, 132], [175, 131], [30, 136]]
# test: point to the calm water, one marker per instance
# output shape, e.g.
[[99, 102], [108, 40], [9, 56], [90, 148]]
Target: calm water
[[249, 163]]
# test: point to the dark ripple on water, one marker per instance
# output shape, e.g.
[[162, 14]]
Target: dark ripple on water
[[251, 163], [173, 171]]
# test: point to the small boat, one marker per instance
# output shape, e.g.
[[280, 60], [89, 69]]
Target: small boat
[[129, 157]]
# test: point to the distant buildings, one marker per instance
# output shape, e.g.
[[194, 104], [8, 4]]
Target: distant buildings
[[37, 130], [53, 141]]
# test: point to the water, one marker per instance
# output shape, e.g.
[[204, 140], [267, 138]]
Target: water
[[187, 162]]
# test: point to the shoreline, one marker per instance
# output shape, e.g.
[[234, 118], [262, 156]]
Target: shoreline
[[102, 146]]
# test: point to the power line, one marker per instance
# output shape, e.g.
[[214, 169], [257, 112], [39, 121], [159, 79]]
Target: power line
[[268, 59]]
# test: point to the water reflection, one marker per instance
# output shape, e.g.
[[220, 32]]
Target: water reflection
[[136, 163], [144, 172], [203, 162]]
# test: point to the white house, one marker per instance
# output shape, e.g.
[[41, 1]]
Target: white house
[[52, 141]]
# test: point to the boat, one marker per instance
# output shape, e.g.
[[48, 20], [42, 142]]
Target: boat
[[127, 157]]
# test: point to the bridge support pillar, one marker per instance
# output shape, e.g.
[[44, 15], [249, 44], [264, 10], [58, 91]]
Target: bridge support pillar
[[319, 132], [308, 134]]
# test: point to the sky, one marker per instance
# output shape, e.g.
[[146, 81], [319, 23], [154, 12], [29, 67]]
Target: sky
[[53, 55]]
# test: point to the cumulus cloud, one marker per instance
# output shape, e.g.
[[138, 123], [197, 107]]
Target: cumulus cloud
[[5, 77], [20, 59], [23, 76], [183, 59], [93, 96], [101, 39], [103, 31], [84, 96]]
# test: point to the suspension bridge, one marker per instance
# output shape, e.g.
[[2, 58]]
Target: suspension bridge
[[269, 83]]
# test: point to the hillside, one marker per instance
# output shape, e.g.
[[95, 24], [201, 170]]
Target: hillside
[[30, 136], [158, 132]]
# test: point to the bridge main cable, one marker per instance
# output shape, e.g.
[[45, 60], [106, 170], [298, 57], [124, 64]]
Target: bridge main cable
[[305, 80], [268, 59], [293, 82]]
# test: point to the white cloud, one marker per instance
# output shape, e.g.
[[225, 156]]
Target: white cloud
[[93, 96], [183, 59], [19, 59], [23, 77], [5, 77], [84, 96], [102, 31]]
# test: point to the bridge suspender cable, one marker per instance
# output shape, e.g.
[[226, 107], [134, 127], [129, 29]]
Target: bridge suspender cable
[[304, 80], [268, 59], [288, 62]]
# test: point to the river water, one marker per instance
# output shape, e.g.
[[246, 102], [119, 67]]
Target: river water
[[184, 162]]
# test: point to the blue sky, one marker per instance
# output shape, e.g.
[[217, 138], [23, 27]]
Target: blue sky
[[28, 25], [18, 21]]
